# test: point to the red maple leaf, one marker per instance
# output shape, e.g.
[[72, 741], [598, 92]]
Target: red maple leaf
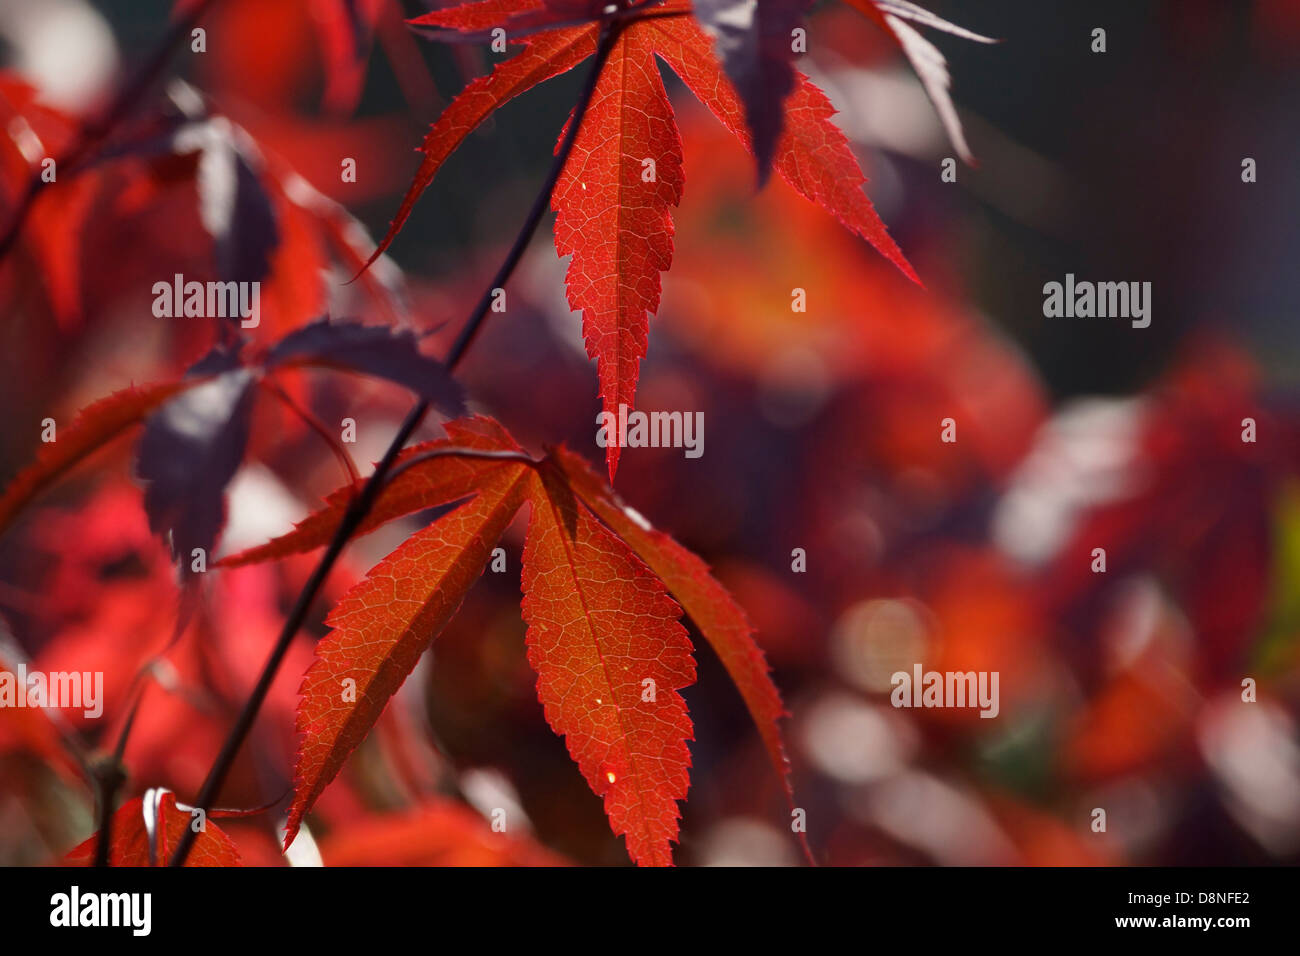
[[602, 598], [625, 172], [610, 657]]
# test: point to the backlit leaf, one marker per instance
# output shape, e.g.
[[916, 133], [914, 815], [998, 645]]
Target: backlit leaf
[[610, 657], [383, 625]]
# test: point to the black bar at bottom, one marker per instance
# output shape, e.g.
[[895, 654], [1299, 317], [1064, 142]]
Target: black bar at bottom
[[336, 906]]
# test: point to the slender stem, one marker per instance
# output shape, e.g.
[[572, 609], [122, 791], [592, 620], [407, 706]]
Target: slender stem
[[357, 509], [458, 453], [360, 506], [110, 771], [109, 777], [105, 800], [350, 473], [93, 131]]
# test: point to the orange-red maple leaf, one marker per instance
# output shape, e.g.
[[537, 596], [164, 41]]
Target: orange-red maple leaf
[[612, 204], [624, 175], [610, 657], [813, 155], [146, 831], [383, 625], [601, 600], [717, 615]]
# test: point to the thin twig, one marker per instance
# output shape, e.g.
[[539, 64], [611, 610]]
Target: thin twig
[[109, 772], [360, 506], [351, 475], [110, 775], [227, 813], [109, 778]]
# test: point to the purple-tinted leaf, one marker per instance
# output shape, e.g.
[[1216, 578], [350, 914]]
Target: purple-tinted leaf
[[190, 449], [234, 207], [929, 63], [755, 44], [910, 11], [373, 350]]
